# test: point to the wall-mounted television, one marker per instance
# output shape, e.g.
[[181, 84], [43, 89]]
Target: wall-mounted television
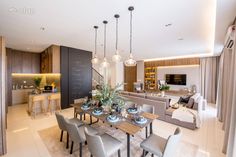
[[176, 79]]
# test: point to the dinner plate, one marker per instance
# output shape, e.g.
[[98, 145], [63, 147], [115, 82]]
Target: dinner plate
[[97, 113], [113, 120], [141, 122]]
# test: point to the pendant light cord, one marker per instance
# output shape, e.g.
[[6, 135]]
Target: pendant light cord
[[104, 40], [96, 41], [131, 18], [116, 33]]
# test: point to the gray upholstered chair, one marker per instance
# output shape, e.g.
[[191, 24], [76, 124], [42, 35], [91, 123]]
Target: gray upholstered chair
[[61, 123], [77, 134], [102, 145], [161, 147], [149, 109]]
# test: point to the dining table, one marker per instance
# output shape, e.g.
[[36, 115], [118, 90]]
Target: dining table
[[126, 123]]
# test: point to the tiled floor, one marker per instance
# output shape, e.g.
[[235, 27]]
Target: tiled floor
[[23, 139]]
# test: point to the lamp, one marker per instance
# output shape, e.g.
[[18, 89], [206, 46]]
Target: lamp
[[130, 61], [116, 57], [105, 63], [95, 60]]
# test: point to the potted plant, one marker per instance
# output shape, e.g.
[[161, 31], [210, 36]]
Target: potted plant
[[163, 88], [37, 82], [108, 96]]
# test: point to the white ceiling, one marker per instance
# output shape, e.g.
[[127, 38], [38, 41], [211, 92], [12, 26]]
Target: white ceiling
[[70, 23]]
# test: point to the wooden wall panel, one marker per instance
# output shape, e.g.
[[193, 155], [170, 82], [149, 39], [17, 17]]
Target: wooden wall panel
[[2, 97], [173, 62], [20, 62], [130, 76]]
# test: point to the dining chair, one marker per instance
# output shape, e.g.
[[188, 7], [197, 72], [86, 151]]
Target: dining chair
[[61, 123], [102, 145], [161, 147], [77, 135], [148, 109], [79, 101]]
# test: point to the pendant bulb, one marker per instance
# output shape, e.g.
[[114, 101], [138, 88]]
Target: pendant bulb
[[105, 63], [95, 59], [116, 57]]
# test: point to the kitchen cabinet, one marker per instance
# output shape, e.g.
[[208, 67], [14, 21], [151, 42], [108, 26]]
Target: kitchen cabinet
[[20, 96], [50, 60]]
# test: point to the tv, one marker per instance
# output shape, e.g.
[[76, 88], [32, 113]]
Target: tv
[[176, 79]]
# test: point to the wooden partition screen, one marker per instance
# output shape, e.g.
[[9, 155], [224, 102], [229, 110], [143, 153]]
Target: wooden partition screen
[[130, 76]]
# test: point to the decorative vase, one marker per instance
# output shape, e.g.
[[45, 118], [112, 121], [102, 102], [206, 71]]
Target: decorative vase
[[163, 93]]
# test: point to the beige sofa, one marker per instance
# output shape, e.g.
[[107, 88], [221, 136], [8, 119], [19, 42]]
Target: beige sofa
[[161, 107]]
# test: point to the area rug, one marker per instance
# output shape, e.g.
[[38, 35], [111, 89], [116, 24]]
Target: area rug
[[51, 136]]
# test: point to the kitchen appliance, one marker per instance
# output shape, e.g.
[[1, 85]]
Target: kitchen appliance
[[48, 89]]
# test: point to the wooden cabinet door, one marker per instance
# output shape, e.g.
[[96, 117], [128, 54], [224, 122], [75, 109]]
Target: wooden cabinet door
[[27, 62], [35, 64], [130, 76], [17, 62]]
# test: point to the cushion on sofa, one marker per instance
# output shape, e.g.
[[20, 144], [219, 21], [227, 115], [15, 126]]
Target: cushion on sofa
[[169, 111], [190, 103]]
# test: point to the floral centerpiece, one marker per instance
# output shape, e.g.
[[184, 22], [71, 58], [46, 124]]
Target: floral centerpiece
[[108, 96]]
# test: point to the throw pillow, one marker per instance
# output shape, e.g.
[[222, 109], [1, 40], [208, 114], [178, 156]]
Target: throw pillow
[[190, 103]]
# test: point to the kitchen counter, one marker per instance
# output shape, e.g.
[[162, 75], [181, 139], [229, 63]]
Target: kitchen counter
[[20, 96], [45, 102]]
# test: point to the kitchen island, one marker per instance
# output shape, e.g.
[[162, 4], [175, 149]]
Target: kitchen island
[[43, 106]]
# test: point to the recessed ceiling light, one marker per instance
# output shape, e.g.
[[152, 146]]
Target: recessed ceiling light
[[12, 9], [42, 28], [168, 25]]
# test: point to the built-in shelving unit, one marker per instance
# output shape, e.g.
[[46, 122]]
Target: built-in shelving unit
[[150, 78]]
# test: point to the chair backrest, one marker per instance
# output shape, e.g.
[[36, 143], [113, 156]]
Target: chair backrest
[[54, 96], [95, 144], [80, 100], [73, 131], [61, 121], [37, 98], [148, 108], [172, 144]]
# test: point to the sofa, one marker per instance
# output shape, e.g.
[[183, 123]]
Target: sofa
[[162, 106]]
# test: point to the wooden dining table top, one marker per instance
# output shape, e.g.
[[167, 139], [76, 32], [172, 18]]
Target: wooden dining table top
[[126, 125]]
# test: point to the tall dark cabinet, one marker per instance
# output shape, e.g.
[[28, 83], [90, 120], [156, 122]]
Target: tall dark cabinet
[[76, 75]]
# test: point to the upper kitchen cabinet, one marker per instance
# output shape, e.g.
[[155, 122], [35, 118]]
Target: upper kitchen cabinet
[[50, 60], [22, 62]]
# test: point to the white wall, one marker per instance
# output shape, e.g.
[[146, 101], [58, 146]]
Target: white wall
[[117, 74], [192, 72]]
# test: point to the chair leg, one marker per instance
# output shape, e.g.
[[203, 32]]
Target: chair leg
[[119, 153], [91, 155], [152, 155], [61, 135], [71, 148], [84, 116], [80, 149], [144, 153], [67, 141]]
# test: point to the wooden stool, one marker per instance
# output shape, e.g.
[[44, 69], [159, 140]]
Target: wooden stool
[[40, 100], [57, 99]]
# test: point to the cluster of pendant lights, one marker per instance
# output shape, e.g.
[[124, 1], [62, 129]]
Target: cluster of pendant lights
[[116, 57]]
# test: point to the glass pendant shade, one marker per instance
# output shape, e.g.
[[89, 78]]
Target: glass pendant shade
[[95, 60], [105, 63], [116, 57], [130, 61]]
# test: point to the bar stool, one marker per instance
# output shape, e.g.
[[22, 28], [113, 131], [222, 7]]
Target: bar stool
[[56, 98], [37, 100]]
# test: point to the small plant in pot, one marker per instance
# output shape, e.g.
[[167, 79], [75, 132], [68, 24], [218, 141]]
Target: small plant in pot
[[37, 82], [163, 88]]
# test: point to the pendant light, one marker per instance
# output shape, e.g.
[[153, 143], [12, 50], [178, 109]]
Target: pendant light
[[95, 59], [116, 58], [130, 61], [105, 62]]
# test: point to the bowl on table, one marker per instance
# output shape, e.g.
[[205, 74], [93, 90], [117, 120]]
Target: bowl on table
[[113, 118], [140, 120], [85, 106], [132, 110], [97, 111]]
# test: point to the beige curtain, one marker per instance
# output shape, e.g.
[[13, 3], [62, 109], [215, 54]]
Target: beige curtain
[[208, 78], [226, 99]]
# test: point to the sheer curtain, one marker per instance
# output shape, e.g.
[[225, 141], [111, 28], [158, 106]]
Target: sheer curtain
[[208, 78], [226, 98]]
